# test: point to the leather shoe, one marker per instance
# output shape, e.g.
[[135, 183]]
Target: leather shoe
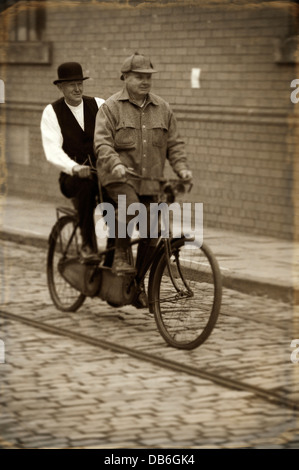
[[141, 300], [120, 263], [88, 254]]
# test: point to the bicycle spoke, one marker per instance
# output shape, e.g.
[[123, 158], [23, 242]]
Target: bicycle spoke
[[187, 296], [65, 244]]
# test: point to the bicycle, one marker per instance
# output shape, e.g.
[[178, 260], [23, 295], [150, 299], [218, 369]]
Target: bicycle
[[184, 280]]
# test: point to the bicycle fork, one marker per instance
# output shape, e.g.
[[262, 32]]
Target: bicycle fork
[[181, 293]]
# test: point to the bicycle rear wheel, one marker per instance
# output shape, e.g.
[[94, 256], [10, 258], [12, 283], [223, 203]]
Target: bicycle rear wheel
[[187, 295], [65, 242]]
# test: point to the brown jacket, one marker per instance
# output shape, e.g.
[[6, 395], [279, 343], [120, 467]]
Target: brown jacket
[[141, 138]]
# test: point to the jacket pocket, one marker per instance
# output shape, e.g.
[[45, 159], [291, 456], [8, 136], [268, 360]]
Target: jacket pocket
[[159, 136], [125, 138]]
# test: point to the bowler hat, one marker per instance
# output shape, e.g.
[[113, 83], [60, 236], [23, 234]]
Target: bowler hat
[[137, 63], [69, 71]]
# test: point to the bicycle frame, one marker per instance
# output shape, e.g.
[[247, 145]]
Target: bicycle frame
[[183, 294], [162, 244]]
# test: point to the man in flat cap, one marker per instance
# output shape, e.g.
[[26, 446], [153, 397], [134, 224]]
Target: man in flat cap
[[67, 128], [136, 130]]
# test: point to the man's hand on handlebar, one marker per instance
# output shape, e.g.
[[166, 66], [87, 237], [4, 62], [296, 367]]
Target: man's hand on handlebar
[[119, 171], [185, 174], [83, 171]]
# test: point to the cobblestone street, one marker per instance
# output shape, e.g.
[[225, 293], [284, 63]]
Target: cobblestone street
[[59, 392]]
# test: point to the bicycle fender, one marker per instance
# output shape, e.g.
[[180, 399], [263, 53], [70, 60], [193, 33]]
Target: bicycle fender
[[57, 224], [53, 232]]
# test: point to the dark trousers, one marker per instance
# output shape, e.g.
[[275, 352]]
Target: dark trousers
[[85, 192], [146, 244], [114, 190]]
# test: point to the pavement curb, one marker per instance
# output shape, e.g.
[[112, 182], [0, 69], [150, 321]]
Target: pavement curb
[[230, 280], [24, 239], [260, 287]]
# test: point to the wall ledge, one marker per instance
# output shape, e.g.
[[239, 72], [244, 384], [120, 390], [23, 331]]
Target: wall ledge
[[27, 53]]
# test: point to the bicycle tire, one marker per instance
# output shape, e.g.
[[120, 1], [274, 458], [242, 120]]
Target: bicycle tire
[[64, 296], [186, 321]]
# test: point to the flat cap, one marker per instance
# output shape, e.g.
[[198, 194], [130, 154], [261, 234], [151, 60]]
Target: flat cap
[[137, 63]]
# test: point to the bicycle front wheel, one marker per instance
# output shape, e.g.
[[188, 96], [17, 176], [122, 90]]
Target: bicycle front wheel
[[65, 242], [187, 295]]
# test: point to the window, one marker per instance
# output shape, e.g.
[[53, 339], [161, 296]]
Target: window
[[25, 22], [17, 144], [286, 47]]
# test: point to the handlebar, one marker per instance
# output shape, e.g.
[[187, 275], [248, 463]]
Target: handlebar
[[171, 186], [178, 183]]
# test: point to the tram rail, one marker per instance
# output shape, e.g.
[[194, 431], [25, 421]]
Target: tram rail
[[202, 373]]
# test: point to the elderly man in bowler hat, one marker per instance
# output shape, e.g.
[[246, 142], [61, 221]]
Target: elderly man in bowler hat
[[67, 128], [136, 130]]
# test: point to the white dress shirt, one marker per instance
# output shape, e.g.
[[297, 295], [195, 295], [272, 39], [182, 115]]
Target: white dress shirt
[[52, 137]]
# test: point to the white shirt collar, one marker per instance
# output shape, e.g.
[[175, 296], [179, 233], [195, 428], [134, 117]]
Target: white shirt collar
[[78, 112]]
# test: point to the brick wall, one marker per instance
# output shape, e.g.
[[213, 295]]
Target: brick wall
[[236, 125]]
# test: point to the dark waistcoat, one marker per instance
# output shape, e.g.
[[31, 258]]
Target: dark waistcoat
[[77, 144]]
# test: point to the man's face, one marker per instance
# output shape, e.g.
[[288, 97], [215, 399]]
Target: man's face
[[72, 91], [138, 84]]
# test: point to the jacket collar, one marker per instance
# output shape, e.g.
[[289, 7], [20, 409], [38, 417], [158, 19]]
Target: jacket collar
[[124, 96]]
